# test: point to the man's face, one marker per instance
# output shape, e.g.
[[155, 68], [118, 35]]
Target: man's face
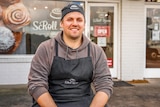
[[73, 25]]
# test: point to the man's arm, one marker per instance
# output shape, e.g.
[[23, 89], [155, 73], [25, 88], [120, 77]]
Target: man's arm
[[102, 79], [45, 100], [99, 100]]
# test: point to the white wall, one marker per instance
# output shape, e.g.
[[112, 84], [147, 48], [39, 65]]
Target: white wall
[[14, 73], [14, 69], [132, 40]]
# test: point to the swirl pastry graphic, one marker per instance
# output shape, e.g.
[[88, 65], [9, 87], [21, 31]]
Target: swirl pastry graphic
[[8, 2], [16, 16], [0, 13]]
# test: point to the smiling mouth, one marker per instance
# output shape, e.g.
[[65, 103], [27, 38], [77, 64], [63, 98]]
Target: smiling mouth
[[74, 29]]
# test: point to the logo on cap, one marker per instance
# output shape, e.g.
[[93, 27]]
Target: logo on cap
[[74, 7]]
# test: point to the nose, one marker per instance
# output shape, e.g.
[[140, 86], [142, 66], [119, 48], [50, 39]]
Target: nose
[[75, 22]]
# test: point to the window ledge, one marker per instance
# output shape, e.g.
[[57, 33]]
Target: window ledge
[[16, 58]]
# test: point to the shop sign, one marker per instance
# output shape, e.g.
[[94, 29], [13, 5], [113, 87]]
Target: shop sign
[[110, 62], [101, 41], [102, 31], [51, 23], [155, 35]]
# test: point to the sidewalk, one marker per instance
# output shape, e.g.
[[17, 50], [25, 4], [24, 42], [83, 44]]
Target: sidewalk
[[14, 96], [137, 95], [134, 95]]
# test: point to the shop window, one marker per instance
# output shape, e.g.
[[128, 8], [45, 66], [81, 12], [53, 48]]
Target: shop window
[[153, 38], [151, 0], [44, 24]]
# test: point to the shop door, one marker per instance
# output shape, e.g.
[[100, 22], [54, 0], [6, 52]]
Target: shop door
[[102, 29]]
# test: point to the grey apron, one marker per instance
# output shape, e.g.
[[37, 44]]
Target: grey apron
[[70, 80]]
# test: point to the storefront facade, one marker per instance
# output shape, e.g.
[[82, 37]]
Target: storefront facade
[[127, 30]]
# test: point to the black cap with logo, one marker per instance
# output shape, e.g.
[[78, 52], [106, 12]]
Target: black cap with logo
[[72, 8]]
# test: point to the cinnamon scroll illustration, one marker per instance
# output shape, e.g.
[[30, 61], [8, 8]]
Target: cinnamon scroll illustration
[[0, 12], [8, 2], [13, 17], [16, 16]]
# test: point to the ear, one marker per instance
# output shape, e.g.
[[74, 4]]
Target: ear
[[61, 24]]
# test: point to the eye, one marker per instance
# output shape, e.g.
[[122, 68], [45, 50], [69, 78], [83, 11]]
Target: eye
[[79, 19], [69, 19]]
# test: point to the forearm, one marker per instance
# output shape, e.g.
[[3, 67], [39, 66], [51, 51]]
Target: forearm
[[45, 100], [99, 100]]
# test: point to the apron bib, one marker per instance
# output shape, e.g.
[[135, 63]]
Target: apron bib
[[70, 80]]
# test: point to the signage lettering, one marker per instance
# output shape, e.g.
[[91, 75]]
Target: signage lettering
[[97, 20], [101, 31], [44, 25]]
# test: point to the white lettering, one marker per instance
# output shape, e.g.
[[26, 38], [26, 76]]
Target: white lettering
[[35, 24], [97, 20], [44, 25]]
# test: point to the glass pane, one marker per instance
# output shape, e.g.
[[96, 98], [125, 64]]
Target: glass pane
[[153, 38], [44, 24], [101, 29]]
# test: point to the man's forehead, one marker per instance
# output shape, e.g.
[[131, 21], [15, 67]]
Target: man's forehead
[[74, 14]]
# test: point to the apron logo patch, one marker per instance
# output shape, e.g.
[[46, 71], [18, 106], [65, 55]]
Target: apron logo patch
[[70, 81]]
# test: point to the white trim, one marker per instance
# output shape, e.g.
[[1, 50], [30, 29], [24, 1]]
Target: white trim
[[150, 72], [97, 1], [15, 58]]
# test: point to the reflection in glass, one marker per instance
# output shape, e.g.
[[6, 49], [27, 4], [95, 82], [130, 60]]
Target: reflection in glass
[[101, 29], [153, 38]]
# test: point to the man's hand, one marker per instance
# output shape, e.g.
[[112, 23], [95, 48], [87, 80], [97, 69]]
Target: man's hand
[[45, 100], [99, 100]]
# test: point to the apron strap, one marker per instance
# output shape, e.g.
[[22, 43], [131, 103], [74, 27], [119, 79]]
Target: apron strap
[[89, 49], [56, 49]]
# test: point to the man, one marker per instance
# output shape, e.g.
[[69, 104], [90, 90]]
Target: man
[[64, 67]]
